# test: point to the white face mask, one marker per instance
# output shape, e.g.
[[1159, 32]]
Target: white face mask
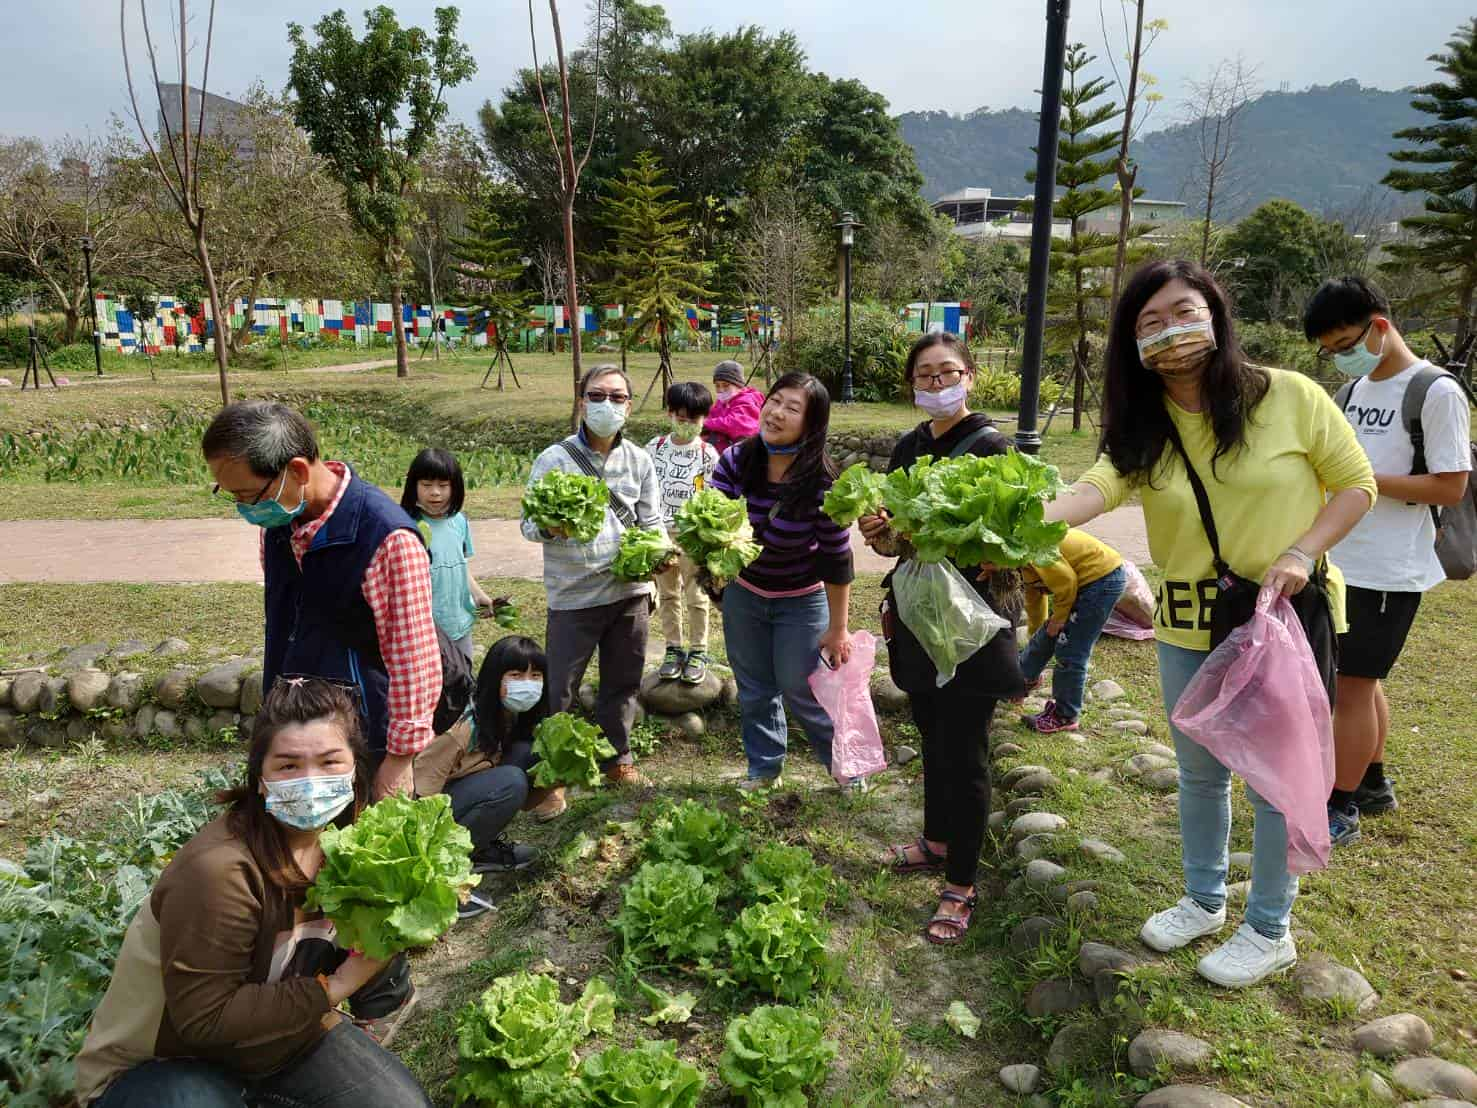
[[308, 803], [605, 418], [941, 404], [523, 694]]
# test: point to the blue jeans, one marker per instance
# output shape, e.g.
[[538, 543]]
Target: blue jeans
[[774, 646], [1073, 647], [486, 801], [347, 1069], [1205, 819]]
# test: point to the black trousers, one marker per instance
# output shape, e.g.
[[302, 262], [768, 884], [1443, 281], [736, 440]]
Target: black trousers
[[955, 726]]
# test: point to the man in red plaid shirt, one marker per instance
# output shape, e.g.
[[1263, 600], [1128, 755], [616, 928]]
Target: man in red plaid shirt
[[348, 582]]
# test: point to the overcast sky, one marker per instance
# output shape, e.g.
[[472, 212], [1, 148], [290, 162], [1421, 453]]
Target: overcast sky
[[63, 72]]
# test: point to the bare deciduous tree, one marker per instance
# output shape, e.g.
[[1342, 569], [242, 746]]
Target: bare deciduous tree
[[181, 176], [1214, 105], [780, 257], [570, 167]]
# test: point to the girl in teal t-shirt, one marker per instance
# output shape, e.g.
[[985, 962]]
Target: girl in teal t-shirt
[[434, 493]]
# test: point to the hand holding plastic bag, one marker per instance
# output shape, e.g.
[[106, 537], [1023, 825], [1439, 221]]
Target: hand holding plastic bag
[[1259, 706], [948, 618], [846, 694]]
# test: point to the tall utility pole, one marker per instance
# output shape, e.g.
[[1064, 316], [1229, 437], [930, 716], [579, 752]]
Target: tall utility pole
[[1027, 438]]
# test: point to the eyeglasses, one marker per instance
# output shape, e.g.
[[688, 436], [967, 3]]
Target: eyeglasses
[[934, 381], [216, 490], [599, 396], [1327, 355], [1184, 313]]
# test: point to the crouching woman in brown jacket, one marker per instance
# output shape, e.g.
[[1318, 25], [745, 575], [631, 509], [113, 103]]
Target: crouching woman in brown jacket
[[225, 992]]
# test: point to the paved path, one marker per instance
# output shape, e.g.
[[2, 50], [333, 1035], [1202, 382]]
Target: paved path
[[196, 550], [132, 379]]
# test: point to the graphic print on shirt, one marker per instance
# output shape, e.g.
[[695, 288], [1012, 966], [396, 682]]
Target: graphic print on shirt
[[680, 472], [1374, 420], [1185, 605]]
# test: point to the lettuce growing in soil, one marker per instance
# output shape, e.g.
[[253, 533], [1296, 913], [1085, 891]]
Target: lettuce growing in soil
[[694, 833], [393, 878], [782, 872], [569, 752], [644, 551], [714, 531], [856, 493], [772, 1055], [515, 1043], [777, 949], [669, 912], [648, 1075], [568, 502], [972, 510]]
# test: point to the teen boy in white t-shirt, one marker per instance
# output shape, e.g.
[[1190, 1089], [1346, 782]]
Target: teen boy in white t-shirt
[[1389, 559]]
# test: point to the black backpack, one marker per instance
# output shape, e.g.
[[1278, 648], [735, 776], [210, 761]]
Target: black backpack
[[1456, 526]]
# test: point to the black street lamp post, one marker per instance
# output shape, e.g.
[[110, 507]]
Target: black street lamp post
[[847, 226], [1027, 438], [97, 338]]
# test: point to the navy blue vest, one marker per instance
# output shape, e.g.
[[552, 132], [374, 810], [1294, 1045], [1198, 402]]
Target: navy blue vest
[[318, 623]]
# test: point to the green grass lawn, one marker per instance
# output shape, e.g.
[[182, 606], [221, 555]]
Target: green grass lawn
[[1399, 905]]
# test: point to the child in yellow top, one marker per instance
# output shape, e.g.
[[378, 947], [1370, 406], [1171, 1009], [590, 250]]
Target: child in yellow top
[[1081, 588]]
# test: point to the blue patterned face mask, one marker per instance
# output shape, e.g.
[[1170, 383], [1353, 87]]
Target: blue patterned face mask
[[269, 513], [308, 803]]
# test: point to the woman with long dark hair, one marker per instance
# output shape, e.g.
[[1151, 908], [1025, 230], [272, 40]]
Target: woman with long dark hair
[[482, 761], [787, 610], [1284, 479], [954, 721], [226, 989]]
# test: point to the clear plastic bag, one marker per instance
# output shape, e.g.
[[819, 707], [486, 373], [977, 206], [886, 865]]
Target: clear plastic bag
[[846, 694], [1258, 704], [948, 618]]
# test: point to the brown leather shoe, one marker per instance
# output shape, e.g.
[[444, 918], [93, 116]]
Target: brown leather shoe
[[546, 804], [622, 774]]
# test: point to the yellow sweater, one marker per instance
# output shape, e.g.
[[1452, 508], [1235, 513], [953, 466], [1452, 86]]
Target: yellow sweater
[[1083, 560], [1299, 450]]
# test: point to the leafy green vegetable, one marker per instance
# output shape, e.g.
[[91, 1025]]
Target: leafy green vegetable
[[643, 551], [972, 509], [962, 1020], [515, 1043], [569, 752], [505, 612], [773, 1054], [394, 877], [715, 533], [692, 832], [570, 502], [669, 911], [650, 1075], [856, 493], [781, 872], [666, 1007], [778, 949]]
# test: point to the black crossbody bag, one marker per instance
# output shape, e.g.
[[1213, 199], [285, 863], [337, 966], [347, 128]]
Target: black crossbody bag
[[1236, 595]]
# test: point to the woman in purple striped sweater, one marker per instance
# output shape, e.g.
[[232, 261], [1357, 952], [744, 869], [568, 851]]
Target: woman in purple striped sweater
[[789, 607]]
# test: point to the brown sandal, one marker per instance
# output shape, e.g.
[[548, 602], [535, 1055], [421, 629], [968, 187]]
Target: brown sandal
[[959, 924], [929, 861]]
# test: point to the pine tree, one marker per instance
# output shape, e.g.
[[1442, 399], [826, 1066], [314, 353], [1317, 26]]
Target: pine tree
[[650, 259], [489, 263], [1445, 234], [1082, 262]]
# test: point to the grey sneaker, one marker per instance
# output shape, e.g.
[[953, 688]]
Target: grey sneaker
[[672, 662], [754, 785], [695, 669]]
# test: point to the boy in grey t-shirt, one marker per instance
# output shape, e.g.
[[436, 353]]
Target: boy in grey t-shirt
[[1389, 558]]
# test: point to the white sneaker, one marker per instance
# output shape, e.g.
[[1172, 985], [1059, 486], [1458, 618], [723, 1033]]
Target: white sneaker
[[1181, 925], [1247, 957], [752, 785]]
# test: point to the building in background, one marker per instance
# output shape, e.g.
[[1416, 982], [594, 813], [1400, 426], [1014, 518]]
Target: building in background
[[225, 119], [979, 213]]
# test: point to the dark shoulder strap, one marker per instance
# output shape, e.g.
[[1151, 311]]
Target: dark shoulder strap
[[1202, 501], [1346, 390], [620, 508], [969, 441], [1411, 406]]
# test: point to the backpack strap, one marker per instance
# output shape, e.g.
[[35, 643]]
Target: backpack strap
[[1411, 406], [618, 506], [968, 442], [1346, 390]]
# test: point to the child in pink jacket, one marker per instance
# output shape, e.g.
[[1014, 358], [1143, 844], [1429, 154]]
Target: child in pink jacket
[[735, 414]]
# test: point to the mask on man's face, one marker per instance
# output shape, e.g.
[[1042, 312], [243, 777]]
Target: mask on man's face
[[1361, 361], [270, 513], [605, 417]]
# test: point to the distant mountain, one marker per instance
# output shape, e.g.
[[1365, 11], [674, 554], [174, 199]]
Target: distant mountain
[[1322, 147]]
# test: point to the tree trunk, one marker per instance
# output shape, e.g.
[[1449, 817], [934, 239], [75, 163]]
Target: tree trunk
[[1127, 176], [70, 318], [240, 336], [397, 300], [572, 304], [1205, 230], [208, 271], [1464, 323]]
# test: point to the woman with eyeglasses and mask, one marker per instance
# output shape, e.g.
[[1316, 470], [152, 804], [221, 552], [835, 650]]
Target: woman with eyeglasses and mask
[[1285, 480], [786, 613], [954, 721], [226, 990]]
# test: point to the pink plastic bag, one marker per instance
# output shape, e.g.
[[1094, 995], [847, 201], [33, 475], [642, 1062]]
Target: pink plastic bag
[[1259, 706], [846, 694], [1124, 627]]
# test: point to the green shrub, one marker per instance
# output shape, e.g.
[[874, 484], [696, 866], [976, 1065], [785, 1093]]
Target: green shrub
[[1276, 344], [815, 344]]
